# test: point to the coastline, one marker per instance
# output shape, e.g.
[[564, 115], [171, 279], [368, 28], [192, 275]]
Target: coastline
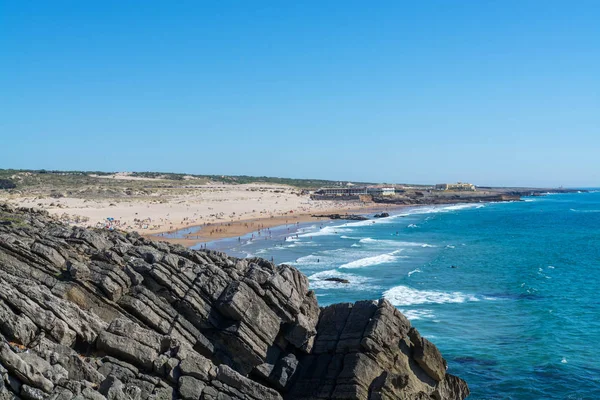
[[210, 232], [190, 236]]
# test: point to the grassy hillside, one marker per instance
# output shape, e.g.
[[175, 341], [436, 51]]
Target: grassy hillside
[[63, 179]]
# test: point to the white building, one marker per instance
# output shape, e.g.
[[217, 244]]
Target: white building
[[381, 191]]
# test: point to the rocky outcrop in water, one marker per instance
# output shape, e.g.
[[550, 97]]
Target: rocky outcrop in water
[[347, 217], [88, 314], [337, 280], [382, 215]]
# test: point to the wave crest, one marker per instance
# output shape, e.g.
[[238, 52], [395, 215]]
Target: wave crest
[[406, 296], [374, 260], [355, 282]]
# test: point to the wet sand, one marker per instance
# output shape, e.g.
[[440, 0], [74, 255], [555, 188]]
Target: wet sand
[[224, 230]]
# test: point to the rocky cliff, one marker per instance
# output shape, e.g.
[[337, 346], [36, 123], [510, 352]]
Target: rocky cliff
[[95, 314]]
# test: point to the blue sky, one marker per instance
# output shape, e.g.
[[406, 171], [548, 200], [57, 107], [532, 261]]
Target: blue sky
[[491, 92]]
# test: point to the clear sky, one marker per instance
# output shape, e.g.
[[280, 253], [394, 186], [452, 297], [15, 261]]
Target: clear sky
[[491, 92]]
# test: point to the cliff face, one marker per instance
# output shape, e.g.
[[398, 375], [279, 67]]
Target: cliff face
[[95, 314]]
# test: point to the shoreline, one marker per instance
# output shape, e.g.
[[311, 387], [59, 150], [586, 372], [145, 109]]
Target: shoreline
[[230, 230], [212, 232]]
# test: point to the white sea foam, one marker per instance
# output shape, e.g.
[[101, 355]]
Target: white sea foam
[[489, 298], [406, 296], [355, 245], [462, 207], [414, 271], [355, 282], [301, 244], [550, 266], [368, 240], [417, 314], [327, 231], [444, 209], [328, 257], [585, 211], [278, 248], [307, 260], [347, 227], [366, 222], [413, 226], [385, 220], [374, 260], [307, 228], [393, 243]]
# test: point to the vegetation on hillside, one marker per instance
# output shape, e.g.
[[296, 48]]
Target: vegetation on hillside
[[7, 184], [34, 178]]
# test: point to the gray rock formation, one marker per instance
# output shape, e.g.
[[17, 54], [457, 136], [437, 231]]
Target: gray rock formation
[[88, 314]]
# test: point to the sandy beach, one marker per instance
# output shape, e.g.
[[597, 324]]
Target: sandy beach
[[215, 231], [217, 210]]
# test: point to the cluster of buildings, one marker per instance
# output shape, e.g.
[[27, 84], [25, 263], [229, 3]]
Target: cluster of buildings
[[356, 191], [460, 186], [351, 191]]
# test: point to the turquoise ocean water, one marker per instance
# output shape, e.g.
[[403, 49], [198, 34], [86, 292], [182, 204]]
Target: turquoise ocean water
[[509, 292]]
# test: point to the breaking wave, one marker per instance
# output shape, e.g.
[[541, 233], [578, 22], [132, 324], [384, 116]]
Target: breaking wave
[[327, 231], [417, 314], [406, 296], [375, 260], [317, 281]]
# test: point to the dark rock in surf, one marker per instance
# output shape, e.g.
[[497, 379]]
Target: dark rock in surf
[[338, 280], [381, 215], [348, 217]]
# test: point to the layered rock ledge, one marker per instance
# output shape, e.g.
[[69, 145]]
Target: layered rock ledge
[[90, 314]]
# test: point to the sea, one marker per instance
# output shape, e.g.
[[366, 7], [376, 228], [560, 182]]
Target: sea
[[509, 292]]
